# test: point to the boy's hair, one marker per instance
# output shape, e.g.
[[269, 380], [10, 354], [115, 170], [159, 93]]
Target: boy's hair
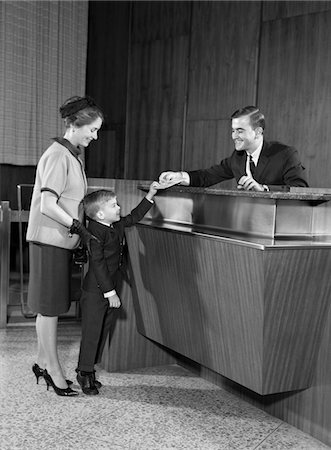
[[92, 202], [256, 117]]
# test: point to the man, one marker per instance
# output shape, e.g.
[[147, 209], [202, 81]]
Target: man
[[257, 165]]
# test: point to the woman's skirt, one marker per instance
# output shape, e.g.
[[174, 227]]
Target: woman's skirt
[[49, 290]]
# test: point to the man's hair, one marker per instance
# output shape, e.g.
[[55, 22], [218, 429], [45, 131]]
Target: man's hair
[[256, 117], [93, 202]]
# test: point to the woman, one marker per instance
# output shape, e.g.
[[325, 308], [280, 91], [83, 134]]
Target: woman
[[60, 185]]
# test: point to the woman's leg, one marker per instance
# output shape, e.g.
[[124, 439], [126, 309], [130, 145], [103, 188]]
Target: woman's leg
[[46, 328], [41, 357]]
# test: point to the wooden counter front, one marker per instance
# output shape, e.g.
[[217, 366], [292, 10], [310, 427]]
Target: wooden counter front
[[252, 309]]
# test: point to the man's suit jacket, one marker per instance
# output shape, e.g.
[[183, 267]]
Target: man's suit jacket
[[278, 167], [105, 255]]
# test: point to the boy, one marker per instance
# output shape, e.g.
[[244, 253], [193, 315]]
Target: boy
[[99, 295]]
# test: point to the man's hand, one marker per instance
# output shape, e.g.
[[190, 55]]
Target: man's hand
[[249, 184], [166, 177]]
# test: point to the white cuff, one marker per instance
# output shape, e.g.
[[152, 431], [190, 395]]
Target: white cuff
[[109, 293], [186, 177]]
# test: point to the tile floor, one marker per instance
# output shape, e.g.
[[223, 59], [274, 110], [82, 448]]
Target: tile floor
[[147, 409]]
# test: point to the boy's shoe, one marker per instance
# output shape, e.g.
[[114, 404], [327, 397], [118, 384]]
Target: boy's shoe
[[86, 382], [96, 382]]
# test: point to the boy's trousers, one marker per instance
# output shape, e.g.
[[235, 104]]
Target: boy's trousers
[[96, 324]]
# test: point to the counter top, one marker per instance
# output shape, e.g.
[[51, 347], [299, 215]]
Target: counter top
[[295, 193], [242, 239], [297, 214]]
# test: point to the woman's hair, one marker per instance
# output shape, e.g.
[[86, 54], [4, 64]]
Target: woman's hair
[[93, 201], [80, 111], [256, 117]]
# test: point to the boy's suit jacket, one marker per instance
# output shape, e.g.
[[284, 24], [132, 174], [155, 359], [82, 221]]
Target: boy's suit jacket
[[105, 255], [278, 167]]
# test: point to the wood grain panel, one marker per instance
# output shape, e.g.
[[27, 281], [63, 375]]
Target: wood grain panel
[[106, 82], [208, 142], [105, 157], [198, 305], [155, 115], [273, 10], [295, 89], [160, 20], [222, 306], [156, 88], [223, 58], [106, 74], [309, 409], [297, 293], [126, 348]]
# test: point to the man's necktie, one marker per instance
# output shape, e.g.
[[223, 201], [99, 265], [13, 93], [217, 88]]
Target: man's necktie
[[251, 165]]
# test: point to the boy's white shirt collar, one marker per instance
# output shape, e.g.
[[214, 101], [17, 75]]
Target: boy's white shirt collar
[[105, 223]]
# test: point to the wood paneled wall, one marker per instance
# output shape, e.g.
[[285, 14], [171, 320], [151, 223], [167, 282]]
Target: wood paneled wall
[[170, 74], [222, 76], [106, 82], [274, 10], [158, 61], [295, 88]]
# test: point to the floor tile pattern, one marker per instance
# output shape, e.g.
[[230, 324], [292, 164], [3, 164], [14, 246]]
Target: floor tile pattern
[[155, 408]]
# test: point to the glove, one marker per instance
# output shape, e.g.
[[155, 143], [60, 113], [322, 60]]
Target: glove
[[78, 228]]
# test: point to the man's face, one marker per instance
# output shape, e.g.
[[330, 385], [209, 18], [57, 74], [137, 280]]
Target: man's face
[[243, 135]]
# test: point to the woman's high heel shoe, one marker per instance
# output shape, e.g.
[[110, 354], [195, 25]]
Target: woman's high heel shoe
[[68, 392], [39, 372]]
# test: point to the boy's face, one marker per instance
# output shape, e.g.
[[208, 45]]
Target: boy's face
[[109, 212]]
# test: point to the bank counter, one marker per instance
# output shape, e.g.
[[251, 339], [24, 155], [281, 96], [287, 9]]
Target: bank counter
[[232, 285], [236, 281]]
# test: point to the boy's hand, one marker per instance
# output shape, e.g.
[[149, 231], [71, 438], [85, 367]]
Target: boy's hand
[[114, 301], [153, 188]]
